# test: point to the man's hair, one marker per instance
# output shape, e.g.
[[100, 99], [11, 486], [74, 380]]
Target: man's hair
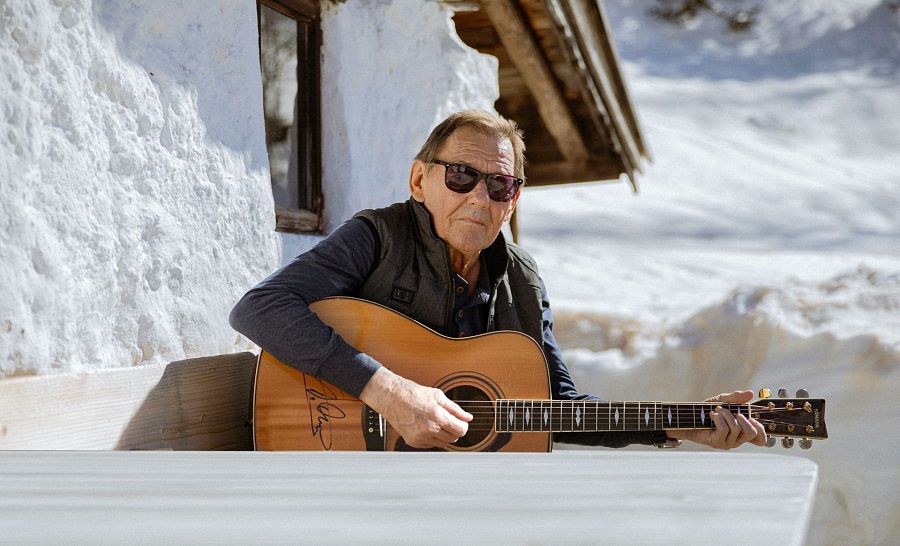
[[484, 122]]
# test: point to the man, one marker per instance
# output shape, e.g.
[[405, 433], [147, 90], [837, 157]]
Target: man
[[438, 258]]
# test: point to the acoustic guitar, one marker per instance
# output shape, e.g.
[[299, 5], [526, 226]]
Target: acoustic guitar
[[501, 378]]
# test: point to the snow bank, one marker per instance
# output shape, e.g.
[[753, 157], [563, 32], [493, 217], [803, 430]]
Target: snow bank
[[136, 201], [816, 336], [764, 247], [136, 206]]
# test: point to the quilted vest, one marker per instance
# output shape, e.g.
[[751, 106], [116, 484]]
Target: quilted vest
[[413, 274]]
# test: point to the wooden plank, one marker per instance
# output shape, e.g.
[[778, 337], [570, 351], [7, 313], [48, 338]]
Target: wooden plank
[[196, 404], [526, 55], [589, 31], [296, 221], [618, 81], [574, 497], [564, 172]]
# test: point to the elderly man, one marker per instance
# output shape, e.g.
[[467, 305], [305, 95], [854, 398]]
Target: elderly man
[[440, 259]]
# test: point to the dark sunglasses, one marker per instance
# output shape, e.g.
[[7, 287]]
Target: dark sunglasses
[[463, 179]]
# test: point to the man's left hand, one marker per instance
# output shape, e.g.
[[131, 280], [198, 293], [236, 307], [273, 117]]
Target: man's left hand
[[731, 431]]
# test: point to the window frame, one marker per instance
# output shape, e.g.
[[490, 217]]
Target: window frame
[[306, 215]]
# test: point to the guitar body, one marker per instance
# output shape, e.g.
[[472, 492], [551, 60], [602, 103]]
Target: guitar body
[[293, 411]]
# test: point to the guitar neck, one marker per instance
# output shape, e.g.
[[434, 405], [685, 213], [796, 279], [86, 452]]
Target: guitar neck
[[602, 415]]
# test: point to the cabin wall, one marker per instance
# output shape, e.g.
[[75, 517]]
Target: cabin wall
[[391, 70], [135, 203], [136, 206]]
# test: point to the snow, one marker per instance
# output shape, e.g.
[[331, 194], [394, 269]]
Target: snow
[[134, 174], [763, 249], [136, 204]]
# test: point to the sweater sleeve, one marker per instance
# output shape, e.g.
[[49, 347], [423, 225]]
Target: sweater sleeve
[[562, 387], [275, 313]]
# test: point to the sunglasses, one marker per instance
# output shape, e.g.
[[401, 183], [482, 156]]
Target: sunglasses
[[463, 179]]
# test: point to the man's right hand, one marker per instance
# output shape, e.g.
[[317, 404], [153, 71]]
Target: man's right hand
[[424, 416]]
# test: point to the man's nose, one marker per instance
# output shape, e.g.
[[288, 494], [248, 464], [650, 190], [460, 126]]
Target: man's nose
[[479, 194]]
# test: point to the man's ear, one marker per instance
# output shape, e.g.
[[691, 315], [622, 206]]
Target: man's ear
[[417, 181]]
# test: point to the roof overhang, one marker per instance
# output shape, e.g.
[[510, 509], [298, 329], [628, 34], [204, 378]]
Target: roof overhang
[[560, 81]]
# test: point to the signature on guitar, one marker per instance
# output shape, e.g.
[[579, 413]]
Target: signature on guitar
[[325, 411]]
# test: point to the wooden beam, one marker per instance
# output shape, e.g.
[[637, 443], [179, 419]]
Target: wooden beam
[[528, 58], [197, 404], [296, 221], [547, 174], [588, 28]]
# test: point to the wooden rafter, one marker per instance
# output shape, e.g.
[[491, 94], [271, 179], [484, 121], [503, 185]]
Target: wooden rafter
[[585, 22], [529, 59]]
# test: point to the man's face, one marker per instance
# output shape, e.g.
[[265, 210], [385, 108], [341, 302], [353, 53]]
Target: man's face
[[468, 222]]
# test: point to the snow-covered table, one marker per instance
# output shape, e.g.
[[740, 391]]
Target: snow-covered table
[[566, 496]]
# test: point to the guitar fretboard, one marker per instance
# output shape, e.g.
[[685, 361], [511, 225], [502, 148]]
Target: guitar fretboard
[[602, 415]]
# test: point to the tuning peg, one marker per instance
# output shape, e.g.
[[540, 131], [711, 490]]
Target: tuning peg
[[765, 393], [805, 443], [801, 393], [787, 443], [770, 441], [782, 393]]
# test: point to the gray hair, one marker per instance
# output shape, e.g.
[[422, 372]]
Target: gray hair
[[484, 122]]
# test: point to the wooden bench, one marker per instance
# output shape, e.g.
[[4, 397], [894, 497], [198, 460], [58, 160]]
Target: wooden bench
[[196, 404]]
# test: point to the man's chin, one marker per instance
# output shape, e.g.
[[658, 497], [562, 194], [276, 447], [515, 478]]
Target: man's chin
[[471, 245]]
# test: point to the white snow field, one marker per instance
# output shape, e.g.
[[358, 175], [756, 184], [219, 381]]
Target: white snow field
[[763, 249]]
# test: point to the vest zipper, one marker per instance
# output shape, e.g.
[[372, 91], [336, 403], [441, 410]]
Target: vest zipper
[[448, 318], [489, 327]]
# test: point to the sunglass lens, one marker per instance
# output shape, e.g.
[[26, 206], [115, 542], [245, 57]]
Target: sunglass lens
[[502, 188], [459, 179], [462, 179]]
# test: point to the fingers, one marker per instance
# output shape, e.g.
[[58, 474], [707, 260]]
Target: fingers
[[734, 430], [454, 409], [736, 397], [442, 438], [450, 417], [761, 435], [728, 429], [432, 419]]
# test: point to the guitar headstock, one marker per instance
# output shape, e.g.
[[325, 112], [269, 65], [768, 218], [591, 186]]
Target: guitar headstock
[[801, 417]]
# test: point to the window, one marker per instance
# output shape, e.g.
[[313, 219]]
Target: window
[[289, 40]]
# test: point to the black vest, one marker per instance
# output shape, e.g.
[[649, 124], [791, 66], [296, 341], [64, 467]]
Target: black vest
[[413, 274]]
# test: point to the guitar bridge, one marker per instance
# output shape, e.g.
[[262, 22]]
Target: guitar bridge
[[374, 429]]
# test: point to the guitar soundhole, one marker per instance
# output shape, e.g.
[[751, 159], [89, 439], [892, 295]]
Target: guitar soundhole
[[475, 401]]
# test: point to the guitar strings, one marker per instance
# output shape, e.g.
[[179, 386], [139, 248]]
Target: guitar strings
[[491, 426], [491, 407]]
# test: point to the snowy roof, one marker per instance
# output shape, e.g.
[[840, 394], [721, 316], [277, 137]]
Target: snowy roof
[[560, 81]]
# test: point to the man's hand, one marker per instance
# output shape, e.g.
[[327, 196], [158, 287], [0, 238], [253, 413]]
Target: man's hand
[[731, 431], [424, 416]]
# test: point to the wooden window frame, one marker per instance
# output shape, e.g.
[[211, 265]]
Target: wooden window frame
[[305, 216]]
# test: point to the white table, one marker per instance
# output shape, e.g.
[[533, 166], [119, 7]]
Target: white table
[[114, 497]]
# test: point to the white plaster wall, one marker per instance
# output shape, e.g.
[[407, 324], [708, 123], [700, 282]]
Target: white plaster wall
[[135, 201], [391, 70]]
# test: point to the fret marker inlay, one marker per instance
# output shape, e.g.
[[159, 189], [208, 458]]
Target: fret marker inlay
[[527, 415], [577, 416], [546, 416], [670, 415], [646, 416], [702, 416], [617, 416], [511, 417]]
